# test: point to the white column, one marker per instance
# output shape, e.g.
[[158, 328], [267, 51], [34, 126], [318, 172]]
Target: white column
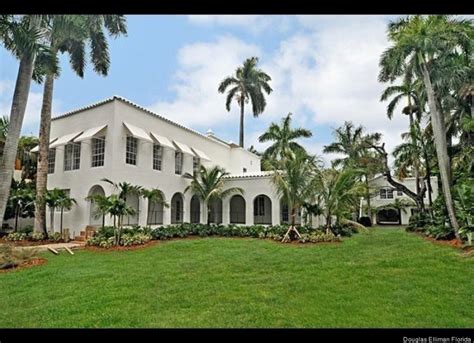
[[249, 211], [167, 215], [275, 211], [226, 211], [186, 209], [142, 215]]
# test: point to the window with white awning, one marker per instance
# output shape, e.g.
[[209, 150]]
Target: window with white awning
[[36, 148], [65, 139], [163, 141], [90, 133], [184, 148], [201, 154], [137, 132]]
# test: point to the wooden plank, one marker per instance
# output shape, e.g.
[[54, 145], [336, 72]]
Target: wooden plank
[[54, 251], [69, 250]]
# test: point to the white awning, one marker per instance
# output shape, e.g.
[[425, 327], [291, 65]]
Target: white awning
[[202, 155], [184, 148], [65, 139], [163, 141], [138, 132], [36, 148], [89, 133]]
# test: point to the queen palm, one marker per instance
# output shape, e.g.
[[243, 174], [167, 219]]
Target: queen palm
[[293, 183], [247, 85], [208, 185], [69, 34], [65, 203], [52, 198], [23, 36], [125, 189], [154, 196], [101, 206], [418, 43], [21, 198], [284, 137]]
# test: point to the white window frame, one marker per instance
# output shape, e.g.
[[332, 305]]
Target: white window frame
[[157, 158], [178, 162], [72, 161], [51, 160], [131, 150], [97, 152]]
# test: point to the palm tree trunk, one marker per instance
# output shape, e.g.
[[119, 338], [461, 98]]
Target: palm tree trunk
[[17, 113], [42, 169], [61, 222], [328, 222], [103, 220], [439, 133], [369, 208], [52, 218], [17, 213], [241, 133]]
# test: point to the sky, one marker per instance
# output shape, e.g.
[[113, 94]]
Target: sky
[[324, 70]]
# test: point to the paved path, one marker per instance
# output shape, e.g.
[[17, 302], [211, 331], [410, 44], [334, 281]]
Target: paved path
[[56, 246]]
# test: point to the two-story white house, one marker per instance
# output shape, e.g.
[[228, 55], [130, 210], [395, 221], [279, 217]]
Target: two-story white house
[[385, 194], [124, 142]]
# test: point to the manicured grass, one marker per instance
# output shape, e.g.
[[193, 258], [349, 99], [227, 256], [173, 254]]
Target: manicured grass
[[387, 278]]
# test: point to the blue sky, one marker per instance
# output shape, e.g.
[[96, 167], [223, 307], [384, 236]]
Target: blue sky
[[324, 71]]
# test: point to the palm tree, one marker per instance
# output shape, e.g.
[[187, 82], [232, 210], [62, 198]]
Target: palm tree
[[247, 84], [125, 189], [419, 42], [21, 198], [339, 192], [118, 208], [102, 205], [208, 185], [23, 36], [52, 198], [293, 184], [284, 138], [4, 121], [65, 203], [154, 196], [70, 34]]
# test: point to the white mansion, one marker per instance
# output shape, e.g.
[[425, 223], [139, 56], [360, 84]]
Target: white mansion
[[124, 142]]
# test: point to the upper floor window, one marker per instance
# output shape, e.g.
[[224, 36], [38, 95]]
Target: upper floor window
[[399, 193], [244, 170], [196, 165], [98, 151], [131, 150], [178, 162], [157, 156], [72, 156], [386, 193], [51, 160]]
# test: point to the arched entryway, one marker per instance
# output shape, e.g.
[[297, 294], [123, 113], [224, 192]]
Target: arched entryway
[[195, 210], [133, 200], [177, 208], [388, 216], [237, 209], [285, 214], [155, 213], [95, 217], [262, 210], [215, 214]]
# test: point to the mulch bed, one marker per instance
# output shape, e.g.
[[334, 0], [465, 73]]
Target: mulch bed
[[28, 264], [27, 243], [121, 248]]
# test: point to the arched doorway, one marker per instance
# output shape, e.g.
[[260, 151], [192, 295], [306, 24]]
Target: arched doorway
[[95, 218], [237, 209], [177, 208], [262, 210], [133, 201], [195, 210], [155, 213], [388, 216], [215, 214]]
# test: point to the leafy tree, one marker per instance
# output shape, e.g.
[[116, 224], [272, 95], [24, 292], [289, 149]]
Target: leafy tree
[[21, 202]]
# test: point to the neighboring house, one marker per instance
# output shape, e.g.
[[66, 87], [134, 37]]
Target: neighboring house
[[386, 194], [122, 141]]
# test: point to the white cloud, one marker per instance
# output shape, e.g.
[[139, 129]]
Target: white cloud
[[252, 23], [33, 108]]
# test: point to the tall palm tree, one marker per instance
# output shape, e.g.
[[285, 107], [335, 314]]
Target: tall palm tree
[[52, 199], [418, 43], [23, 36], [293, 183], [125, 189], [70, 34], [101, 206], [65, 203], [154, 196], [284, 138], [208, 185], [247, 85], [21, 198], [339, 192]]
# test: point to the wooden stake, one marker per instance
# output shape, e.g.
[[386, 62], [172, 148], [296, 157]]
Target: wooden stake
[[69, 250], [54, 251]]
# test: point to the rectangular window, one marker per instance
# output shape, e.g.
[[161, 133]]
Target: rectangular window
[[157, 156], [178, 162], [51, 160], [131, 150], [72, 156], [98, 151], [399, 193], [389, 193], [196, 165]]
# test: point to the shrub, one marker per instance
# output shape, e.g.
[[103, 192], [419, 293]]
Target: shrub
[[36, 236], [366, 221], [16, 236], [439, 232], [344, 230], [27, 229], [106, 232], [134, 239], [11, 257], [318, 237], [54, 236]]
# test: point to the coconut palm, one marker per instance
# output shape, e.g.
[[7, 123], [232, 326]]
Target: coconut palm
[[247, 85], [293, 183], [208, 185], [154, 196], [23, 36], [418, 44], [65, 203], [284, 138], [339, 192], [70, 34]]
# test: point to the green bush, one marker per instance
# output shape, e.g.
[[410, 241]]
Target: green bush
[[54, 236], [318, 237], [36, 236], [16, 236], [27, 229], [134, 239]]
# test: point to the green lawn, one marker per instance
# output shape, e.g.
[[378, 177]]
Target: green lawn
[[387, 278]]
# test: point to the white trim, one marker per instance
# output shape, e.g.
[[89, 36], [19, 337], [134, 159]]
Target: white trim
[[65, 139], [163, 140], [138, 132], [89, 133]]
